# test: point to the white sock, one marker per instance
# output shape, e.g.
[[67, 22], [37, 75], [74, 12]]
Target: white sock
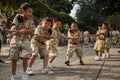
[[13, 75]]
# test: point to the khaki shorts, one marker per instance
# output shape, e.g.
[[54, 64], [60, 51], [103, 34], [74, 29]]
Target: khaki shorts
[[114, 40], [107, 43], [99, 46], [86, 40], [74, 48], [22, 50], [38, 49], [52, 48]]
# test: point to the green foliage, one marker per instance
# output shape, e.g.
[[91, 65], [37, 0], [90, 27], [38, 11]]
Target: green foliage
[[114, 20], [87, 15], [41, 10], [59, 5], [108, 7]]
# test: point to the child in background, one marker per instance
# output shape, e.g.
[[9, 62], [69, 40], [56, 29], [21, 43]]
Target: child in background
[[100, 42]]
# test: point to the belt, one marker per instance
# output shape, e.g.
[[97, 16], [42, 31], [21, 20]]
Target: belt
[[73, 43]]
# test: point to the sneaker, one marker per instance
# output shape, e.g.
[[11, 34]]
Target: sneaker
[[48, 71], [29, 71], [13, 77], [107, 55], [82, 63], [97, 58], [24, 76], [67, 63], [104, 56], [1, 61]]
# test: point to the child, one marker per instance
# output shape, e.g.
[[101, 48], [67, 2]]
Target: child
[[53, 42], [100, 43], [39, 47], [21, 28], [86, 35], [73, 43], [107, 40]]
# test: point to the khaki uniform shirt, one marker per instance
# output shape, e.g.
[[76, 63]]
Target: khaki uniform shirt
[[57, 34], [40, 31], [73, 41], [16, 37]]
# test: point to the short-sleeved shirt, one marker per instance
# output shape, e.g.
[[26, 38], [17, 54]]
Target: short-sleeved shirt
[[101, 36], [115, 33], [75, 33], [40, 31], [55, 33], [27, 24], [86, 34]]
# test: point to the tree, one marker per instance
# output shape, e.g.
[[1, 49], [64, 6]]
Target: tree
[[59, 5], [88, 15], [108, 7], [41, 10], [114, 20], [111, 10]]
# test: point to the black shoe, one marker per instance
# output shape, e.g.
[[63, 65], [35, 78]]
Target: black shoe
[[67, 63], [82, 63], [1, 61]]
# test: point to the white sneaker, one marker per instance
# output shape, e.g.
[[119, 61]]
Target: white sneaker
[[48, 71], [104, 56], [107, 55], [97, 58], [24, 76], [29, 71], [13, 77]]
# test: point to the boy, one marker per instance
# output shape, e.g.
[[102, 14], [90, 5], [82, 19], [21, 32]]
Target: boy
[[39, 47], [86, 38], [21, 28], [74, 43], [53, 42]]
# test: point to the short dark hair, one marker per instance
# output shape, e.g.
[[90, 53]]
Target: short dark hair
[[47, 19], [25, 6], [74, 23], [56, 19], [99, 25], [106, 24]]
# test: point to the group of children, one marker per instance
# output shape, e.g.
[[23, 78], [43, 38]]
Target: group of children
[[43, 43]]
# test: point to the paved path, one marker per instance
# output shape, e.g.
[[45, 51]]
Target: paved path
[[89, 71]]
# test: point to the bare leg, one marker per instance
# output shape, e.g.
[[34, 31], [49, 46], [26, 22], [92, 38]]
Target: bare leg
[[97, 53], [32, 59], [68, 58], [25, 64], [51, 59], [45, 61], [14, 65]]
